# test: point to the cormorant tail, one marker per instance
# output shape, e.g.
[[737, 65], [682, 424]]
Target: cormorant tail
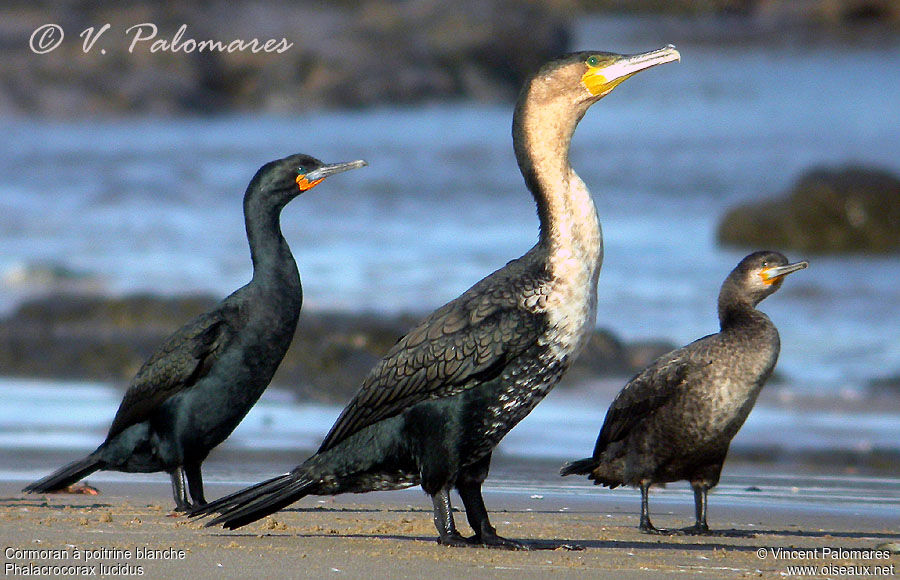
[[580, 467], [66, 476], [257, 501]]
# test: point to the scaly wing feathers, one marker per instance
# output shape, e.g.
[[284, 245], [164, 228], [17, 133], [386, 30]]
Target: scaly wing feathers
[[464, 343], [180, 362]]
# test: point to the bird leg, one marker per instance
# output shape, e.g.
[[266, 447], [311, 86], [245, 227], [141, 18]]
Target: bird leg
[[443, 520], [195, 483], [182, 504], [700, 527], [646, 526], [476, 513]]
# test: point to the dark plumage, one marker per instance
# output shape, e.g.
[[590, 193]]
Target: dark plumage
[[434, 408], [192, 392], [676, 418]]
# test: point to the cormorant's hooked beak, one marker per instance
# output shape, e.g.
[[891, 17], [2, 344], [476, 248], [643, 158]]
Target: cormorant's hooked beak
[[315, 177], [601, 79], [333, 169], [775, 273]]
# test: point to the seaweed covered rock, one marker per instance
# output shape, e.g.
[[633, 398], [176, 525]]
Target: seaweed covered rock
[[109, 338], [91, 336], [885, 385], [189, 57], [851, 209]]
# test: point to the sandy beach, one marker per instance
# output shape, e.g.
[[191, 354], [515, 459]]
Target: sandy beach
[[129, 530], [120, 226]]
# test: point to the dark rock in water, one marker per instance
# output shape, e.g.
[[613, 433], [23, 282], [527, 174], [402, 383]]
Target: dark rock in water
[[810, 12], [332, 353], [109, 338], [874, 460], [885, 386], [322, 54], [852, 209], [90, 337], [605, 355], [641, 354]]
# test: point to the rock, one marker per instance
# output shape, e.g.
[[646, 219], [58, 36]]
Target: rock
[[339, 55], [811, 12], [851, 209], [885, 386], [90, 336], [109, 338], [332, 352]]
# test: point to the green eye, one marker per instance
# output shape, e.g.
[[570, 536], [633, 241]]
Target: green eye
[[301, 170], [593, 61]]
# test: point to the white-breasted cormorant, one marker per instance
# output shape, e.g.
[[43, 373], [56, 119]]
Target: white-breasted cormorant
[[434, 408], [675, 419], [195, 389]]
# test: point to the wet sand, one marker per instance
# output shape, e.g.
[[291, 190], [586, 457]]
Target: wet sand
[[390, 535]]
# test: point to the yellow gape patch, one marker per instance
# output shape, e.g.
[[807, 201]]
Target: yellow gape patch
[[594, 80], [600, 80], [769, 277]]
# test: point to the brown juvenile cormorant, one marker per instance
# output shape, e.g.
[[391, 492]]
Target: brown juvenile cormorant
[[675, 419], [195, 389], [434, 408]]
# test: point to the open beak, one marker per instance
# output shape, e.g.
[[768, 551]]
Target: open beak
[[333, 169], [770, 275], [601, 80]]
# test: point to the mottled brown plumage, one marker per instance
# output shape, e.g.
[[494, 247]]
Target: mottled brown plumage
[[675, 420]]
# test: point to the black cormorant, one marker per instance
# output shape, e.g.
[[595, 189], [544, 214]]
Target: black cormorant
[[195, 389], [434, 408], [675, 419]]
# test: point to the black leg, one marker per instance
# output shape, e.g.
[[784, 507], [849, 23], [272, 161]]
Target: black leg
[[195, 483], [443, 520], [179, 491], [699, 527], [700, 501], [468, 484], [646, 526], [485, 533]]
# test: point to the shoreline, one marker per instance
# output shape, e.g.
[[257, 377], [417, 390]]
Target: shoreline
[[390, 535], [106, 337], [65, 335]]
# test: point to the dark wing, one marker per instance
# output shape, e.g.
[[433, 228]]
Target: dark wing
[[184, 358], [464, 343], [651, 389]]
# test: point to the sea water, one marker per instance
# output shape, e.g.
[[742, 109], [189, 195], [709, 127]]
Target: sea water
[[154, 205]]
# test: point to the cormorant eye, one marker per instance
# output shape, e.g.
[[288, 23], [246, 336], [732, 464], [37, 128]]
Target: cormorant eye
[[301, 170], [593, 61]]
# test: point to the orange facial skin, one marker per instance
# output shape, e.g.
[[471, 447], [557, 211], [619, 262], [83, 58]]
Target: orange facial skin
[[305, 185]]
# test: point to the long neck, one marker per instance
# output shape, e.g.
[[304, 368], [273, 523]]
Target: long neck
[[269, 251], [543, 127], [737, 309]]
